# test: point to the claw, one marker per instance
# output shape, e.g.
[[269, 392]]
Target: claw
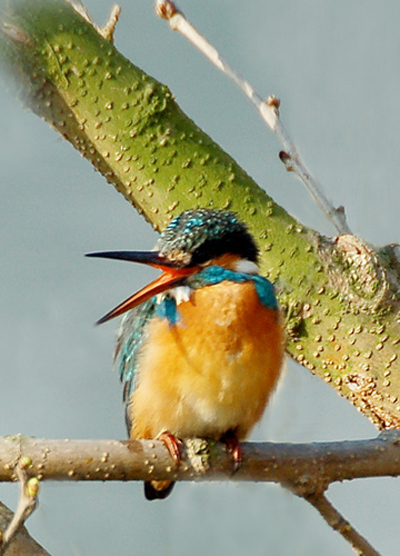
[[173, 445], [235, 448]]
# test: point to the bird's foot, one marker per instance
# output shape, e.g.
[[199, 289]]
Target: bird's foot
[[235, 448], [173, 445]]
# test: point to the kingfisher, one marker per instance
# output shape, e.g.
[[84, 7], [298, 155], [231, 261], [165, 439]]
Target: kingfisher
[[200, 348]]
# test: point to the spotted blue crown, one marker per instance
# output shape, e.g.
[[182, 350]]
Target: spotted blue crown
[[197, 236]]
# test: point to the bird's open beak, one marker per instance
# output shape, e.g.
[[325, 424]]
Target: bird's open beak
[[170, 278]]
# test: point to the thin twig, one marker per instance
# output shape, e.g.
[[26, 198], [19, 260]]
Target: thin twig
[[268, 110], [359, 544], [107, 32], [28, 491], [15, 34], [22, 544]]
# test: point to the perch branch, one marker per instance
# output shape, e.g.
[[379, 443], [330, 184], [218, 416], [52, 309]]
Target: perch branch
[[268, 110], [305, 469], [313, 467]]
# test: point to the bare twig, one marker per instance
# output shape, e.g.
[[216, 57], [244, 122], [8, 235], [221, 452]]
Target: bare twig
[[107, 32], [14, 33], [268, 110], [28, 491], [359, 544], [22, 544]]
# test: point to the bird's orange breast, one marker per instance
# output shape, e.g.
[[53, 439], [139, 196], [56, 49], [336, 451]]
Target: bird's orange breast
[[211, 372]]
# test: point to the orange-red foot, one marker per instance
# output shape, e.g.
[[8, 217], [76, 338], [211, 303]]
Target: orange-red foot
[[233, 444], [173, 445]]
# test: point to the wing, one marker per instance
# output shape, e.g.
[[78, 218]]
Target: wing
[[131, 336]]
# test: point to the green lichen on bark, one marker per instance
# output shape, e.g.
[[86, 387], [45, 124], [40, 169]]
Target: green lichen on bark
[[339, 298]]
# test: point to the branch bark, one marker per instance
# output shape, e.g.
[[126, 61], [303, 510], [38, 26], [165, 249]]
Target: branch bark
[[307, 470], [304, 468]]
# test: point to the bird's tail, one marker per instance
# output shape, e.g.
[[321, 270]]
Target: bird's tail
[[157, 490]]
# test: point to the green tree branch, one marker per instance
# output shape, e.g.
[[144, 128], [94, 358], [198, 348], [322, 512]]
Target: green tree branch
[[340, 297]]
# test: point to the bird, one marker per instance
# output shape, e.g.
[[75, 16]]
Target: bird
[[200, 349]]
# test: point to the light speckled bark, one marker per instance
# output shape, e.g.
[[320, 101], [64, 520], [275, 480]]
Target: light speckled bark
[[306, 469]]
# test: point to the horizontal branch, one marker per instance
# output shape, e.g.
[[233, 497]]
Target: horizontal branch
[[307, 470], [304, 468]]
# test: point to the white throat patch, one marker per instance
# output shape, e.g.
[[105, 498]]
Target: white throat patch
[[247, 267], [180, 294]]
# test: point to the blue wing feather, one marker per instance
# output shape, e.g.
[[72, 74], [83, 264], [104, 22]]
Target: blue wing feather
[[131, 336]]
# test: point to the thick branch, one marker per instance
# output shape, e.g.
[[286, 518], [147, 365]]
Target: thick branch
[[305, 468]]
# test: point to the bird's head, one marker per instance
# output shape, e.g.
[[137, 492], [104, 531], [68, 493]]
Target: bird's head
[[193, 240]]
